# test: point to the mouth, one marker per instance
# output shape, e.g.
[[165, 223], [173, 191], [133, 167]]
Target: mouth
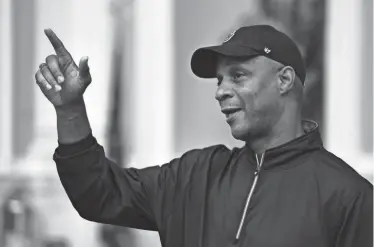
[[230, 112]]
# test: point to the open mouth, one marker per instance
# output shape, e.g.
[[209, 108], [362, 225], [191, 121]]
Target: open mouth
[[230, 112]]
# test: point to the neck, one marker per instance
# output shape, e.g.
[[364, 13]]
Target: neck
[[282, 132]]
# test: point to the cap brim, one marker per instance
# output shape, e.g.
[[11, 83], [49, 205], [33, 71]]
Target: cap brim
[[204, 60]]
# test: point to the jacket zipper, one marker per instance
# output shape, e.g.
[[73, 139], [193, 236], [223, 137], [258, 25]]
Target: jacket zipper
[[256, 174]]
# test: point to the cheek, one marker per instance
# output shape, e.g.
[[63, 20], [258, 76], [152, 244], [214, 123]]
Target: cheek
[[247, 100], [259, 106], [250, 102], [269, 105]]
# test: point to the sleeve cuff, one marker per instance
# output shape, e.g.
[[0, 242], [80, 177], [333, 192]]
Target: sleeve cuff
[[64, 150]]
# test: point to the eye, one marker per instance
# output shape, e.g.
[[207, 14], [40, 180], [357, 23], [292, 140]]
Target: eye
[[237, 75]]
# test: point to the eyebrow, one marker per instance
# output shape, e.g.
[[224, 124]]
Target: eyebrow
[[232, 69]]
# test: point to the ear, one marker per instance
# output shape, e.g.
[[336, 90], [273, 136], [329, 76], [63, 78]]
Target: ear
[[286, 79]]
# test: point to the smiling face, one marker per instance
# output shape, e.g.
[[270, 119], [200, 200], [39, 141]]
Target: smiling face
[[249, 95]]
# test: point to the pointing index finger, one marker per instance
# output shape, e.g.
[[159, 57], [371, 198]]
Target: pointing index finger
[[56, 42]]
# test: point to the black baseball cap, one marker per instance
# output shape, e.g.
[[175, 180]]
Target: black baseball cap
[[250, 41]]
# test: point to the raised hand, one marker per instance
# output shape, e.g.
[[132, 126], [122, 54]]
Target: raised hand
[[59, 78]]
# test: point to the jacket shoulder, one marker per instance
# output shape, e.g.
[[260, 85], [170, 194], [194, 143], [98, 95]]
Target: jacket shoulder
[[207, 161], [208, 154], [339, 176]]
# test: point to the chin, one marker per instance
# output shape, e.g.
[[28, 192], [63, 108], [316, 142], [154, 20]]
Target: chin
[[240, 132]]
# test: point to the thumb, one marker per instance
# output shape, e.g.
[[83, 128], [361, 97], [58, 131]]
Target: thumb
[[84, 70]]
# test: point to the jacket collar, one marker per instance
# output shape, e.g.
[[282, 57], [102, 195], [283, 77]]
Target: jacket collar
[[289, 152]]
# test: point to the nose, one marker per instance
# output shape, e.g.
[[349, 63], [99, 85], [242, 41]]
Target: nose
[[224, 91]]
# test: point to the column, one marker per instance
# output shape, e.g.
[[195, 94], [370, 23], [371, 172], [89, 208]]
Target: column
[[344, 82], [5, 86], [153, 81]]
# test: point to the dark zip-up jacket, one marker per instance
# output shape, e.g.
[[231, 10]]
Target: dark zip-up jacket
[[295, 195]]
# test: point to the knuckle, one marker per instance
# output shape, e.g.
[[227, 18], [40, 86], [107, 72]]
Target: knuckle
[[37, 75], [39, 82], [44, 69], [50, 58], [46, 73], [52, 62], [42, 65], [43, 81], [45, 86]]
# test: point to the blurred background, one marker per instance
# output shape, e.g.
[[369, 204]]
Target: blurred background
[[145, 105]]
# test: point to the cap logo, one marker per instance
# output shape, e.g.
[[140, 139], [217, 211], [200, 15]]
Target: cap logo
[[229, 36], [267, 50]]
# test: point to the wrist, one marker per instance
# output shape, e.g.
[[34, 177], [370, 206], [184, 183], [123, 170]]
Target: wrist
[[76, 107], [72, 123]]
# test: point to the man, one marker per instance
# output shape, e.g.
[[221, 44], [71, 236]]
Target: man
[[282, 188]]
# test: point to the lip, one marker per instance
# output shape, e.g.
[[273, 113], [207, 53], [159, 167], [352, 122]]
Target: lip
[[230, 110], [230, 113]]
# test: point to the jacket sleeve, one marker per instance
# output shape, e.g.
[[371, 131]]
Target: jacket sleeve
[[101, 191], [357, 227]]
